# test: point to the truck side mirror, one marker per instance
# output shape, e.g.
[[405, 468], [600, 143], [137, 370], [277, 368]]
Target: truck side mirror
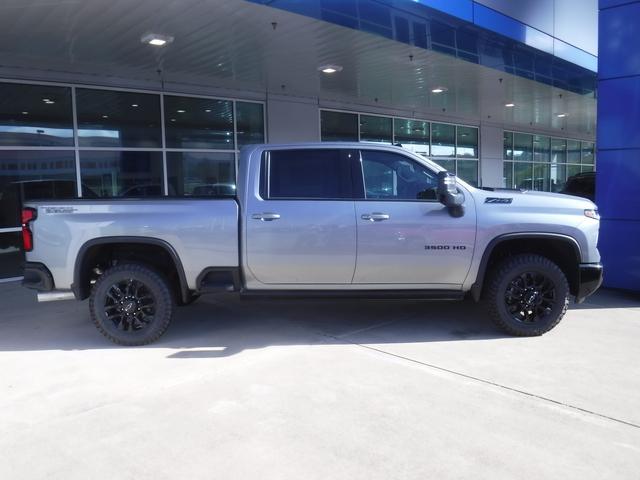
[[449, 195]]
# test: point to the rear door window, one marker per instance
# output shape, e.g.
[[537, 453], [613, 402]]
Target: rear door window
[[309, 174]]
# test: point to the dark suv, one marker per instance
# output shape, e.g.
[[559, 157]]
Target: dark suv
[[581, 185]]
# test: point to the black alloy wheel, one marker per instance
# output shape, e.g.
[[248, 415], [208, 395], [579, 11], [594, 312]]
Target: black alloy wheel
[[131, 304], [526, 295]]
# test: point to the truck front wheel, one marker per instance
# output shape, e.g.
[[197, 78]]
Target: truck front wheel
[[131, 304], [527, 295]]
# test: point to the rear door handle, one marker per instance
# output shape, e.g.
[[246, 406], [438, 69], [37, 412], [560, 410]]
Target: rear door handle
[[266, 216], [375, 216]]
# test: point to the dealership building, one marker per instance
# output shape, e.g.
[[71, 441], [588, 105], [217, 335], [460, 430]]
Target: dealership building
[[135, 98]]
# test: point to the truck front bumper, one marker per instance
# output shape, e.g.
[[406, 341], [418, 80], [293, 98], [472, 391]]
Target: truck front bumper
[[589, 280]]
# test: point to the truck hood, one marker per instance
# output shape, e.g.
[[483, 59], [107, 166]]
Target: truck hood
[[534, 199]]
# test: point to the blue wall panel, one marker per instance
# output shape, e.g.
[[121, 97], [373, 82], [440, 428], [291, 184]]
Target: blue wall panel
[[618, 113], [619, 32], [618, 173]]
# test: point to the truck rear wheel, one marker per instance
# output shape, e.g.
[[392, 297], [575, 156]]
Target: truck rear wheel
[[131, 304], [527, 295]]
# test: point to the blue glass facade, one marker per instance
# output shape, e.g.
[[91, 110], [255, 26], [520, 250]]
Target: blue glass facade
[[618, 177], [462, 28]]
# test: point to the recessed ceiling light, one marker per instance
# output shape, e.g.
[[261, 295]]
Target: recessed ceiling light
[[25, 113], [561, 115], [509, 104], [208, 110], [439, 89], [173, 119], [105, 116], [330, 68], [180, 111], [156, 39], [134, 105]]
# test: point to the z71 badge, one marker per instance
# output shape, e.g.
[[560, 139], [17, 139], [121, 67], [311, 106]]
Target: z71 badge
[[498, 200]]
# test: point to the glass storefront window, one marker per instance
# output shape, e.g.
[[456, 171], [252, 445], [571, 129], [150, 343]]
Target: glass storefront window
[[541, 149], [507, 148], [338, 126], [467, 138], [573, 151], [122, 174], [573, 170], [375, 129], [33, 175], [541, 177], [210, 174], [35, 116], [200, 123], [443, 140], [588, 153], [449, 165], [523, 175], [558, 176], [558, 150], [249, 123], [411, 131], [507, 175], [522, 147], [109, 118], [468, 171]]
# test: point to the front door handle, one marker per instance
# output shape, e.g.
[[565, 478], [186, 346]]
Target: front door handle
[[266, 216], [375, 216]]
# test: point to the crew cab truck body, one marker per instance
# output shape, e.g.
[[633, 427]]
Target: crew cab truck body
[[329, 219]]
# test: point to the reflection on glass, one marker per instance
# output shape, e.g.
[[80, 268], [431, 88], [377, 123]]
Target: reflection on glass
[[122, 174], [35, 116], [523, 173], [249, 123], [507, 149], [449, 165], [412, 132], [198, 123], [572, 170], [573, 151], [201, 174], [108, 118], [443, 140], [11, 256], [467, 142], [558, 176], [338, 127], [522, 147], [541, 177], [558, 150], [468, 171], [507, 175], [33, 175], [541, 149], [375, 129], [588, 153]]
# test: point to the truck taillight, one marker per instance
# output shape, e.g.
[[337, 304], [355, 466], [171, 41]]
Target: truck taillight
[[28, 215]]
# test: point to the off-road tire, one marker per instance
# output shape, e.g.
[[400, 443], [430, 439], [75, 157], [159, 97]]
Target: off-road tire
[[153, 283], [510, 270]]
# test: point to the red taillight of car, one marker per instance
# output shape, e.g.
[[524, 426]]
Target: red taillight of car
[[28, 215]]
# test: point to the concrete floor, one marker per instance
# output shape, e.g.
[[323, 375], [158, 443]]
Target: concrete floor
[[314, 390]]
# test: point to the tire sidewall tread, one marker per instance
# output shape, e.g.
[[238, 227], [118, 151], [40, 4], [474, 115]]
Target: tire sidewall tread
[[504, 272], [163, 296]]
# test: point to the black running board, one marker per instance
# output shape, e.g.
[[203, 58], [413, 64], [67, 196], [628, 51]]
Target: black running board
[[353, 294]]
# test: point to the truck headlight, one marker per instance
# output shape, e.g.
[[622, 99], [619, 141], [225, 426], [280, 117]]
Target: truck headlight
[[592, 213]]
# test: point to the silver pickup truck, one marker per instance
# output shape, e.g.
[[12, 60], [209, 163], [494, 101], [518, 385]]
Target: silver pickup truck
[[318, 220]]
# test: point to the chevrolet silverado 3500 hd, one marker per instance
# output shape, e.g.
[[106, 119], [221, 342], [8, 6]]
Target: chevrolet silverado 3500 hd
[[329, 219]]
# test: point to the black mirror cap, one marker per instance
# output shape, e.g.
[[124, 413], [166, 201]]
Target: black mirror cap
[[448, 193]]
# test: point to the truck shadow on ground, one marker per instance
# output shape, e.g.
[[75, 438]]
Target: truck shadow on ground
[[222, 327], [214, 327]]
